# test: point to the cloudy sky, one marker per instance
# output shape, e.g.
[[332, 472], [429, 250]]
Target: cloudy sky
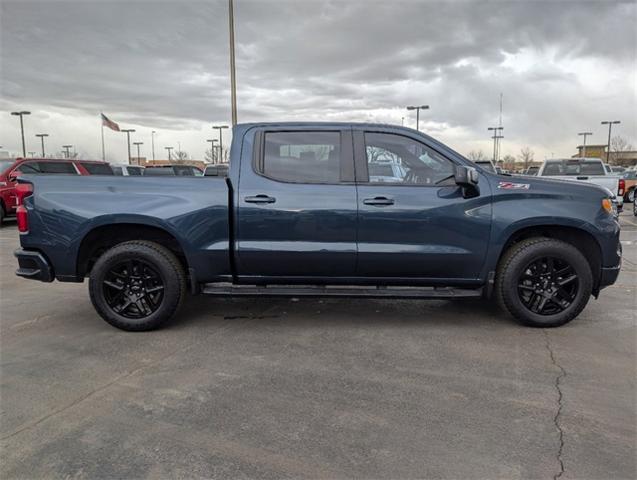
[[562, 66]]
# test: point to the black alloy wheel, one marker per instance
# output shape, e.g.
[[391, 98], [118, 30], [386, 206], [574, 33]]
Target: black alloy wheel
[[137, 285], [133, 289], [548, 286]]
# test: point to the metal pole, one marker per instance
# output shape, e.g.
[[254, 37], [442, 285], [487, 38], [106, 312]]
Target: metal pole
[[128, 144], [610, 125], [24, 150], [584, 134], [103, 150], [42, 135], [233, 83], [418, 119], [152, 142]]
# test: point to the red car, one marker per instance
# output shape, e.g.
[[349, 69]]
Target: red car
[[11, 169]]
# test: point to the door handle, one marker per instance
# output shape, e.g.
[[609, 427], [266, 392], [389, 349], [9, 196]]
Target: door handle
[[379, 201], [260, 199]]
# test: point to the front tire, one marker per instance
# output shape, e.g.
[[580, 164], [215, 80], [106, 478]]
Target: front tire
[[137, 285], [543, 282]]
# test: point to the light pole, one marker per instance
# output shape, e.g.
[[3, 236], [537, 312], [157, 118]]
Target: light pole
[[152, 143], [169, 149], [418, 108], [233, 81], [496, 139], [402, 122], [22, 114], [42, 135], [220, 128], [137, 144], [584, 134], [67, 149], [128, 132], [610, 124], [212, 149]]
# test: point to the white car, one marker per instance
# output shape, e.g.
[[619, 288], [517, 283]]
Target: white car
[[590, 170]]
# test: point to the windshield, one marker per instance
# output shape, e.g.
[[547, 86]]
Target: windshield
[[573, 167], [4, 164]]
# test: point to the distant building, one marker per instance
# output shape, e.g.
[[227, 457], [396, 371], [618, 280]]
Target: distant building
[[147, 163], [625, 159]]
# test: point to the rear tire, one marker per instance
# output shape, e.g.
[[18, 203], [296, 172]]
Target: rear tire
[[543, 282], [137, 285]]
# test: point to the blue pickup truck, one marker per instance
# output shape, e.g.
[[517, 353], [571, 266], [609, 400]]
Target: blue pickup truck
[[323, 209]]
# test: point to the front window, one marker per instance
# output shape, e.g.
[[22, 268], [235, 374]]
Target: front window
[[401, 160], [4, 164]]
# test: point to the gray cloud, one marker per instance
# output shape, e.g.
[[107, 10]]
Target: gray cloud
[[164, 64]]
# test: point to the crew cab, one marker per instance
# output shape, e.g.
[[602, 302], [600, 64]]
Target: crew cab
[[300, 215], [590, 170], [11, 169]]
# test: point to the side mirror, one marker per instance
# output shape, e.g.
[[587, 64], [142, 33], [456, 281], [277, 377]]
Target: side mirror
[[467, 178], [13, 176]]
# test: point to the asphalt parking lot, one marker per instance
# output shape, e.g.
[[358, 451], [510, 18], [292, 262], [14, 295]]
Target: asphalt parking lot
[[275, 388]]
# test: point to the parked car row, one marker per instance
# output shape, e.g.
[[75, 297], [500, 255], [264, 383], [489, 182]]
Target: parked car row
[[11, 169]]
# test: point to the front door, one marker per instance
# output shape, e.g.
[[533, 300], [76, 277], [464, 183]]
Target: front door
[[413, 220], [297, 205]]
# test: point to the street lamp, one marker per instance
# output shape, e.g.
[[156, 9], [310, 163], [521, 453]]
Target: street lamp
[[152, 142], [67, 149], [584, 134], [22, 114], [137, 144], [496, 138], [418, 108], [42, 135], [220, 128], [233, 82], [610, 124], [169, 149], [128, 132], [212, 148]]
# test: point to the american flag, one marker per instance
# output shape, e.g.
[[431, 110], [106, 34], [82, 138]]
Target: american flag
[[109, 123]]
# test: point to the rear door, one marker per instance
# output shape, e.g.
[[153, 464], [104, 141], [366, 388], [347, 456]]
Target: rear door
[[297, 205], [416, 224]]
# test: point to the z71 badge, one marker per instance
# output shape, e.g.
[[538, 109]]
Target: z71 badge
[[513, 186]]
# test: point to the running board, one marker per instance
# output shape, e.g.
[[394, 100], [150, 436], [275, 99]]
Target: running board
[[231, 290]]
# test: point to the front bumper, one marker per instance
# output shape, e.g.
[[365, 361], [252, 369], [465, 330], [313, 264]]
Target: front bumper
[[609, 276], [33, 265]]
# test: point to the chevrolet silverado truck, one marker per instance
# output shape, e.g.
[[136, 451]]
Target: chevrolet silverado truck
[[590, 170], [301, 213]]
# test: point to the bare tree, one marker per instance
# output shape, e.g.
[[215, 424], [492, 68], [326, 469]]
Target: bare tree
[[619, 144], [508, 161], [180, 156], [210, 156], [474, 155], [526, 156]]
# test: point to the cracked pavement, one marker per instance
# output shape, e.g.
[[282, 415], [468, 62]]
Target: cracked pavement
[[337, 388]]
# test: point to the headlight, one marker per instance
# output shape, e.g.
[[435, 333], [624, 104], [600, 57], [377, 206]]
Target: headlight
[[609, 206]]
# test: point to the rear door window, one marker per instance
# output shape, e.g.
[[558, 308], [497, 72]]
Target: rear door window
[[97, 168], [302, 157], [63, 168]]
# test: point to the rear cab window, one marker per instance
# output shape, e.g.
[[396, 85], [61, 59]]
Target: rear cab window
[[573, 167]]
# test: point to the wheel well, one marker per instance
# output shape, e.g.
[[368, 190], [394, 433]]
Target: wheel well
[[580, 239], [100, 239]]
